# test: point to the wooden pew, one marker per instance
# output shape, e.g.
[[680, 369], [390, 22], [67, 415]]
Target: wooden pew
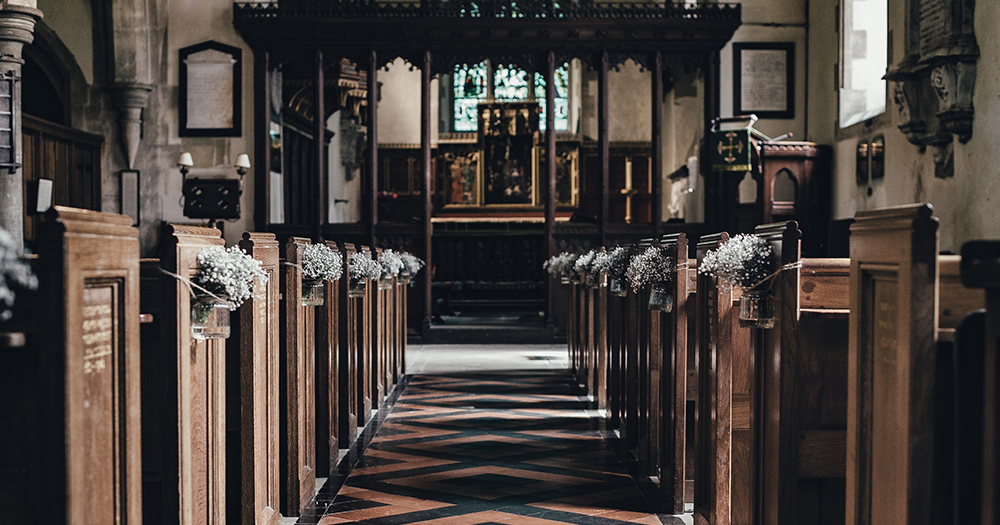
[[70, 384], [600, 339], [978, 447], [799, 458], [904, 307], [183, 393], [615, 322], [629, 430], [364, 349], [723, 416], [298, 432], [648, 372], [348, 343], [253, 379], [673, 425], [378, 337], [328, 375]]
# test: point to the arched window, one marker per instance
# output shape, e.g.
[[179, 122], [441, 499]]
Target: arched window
[[508, 83]]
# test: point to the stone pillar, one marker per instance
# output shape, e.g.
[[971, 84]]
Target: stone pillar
[[130, 98], [17, 23]]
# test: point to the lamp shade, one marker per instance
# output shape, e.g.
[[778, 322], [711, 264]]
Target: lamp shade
[[185, 160], [243, 161]]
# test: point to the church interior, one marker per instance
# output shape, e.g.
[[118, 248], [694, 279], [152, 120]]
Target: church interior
[[477, 261]]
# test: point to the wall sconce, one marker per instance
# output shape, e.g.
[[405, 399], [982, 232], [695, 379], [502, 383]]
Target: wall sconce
[[212, 198]]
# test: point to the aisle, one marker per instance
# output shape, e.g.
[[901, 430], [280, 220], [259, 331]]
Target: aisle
[[515, 447]]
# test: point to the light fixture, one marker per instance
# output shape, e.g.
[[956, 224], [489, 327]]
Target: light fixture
[[242, 167], [184, 163], [212, 198]]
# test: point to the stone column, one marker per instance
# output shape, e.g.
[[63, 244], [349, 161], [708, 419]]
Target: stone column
[[130, 98], [17, 23]]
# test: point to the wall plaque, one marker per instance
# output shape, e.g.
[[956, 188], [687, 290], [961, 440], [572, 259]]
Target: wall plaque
[[210, 102], [934, 25], [764, 79]]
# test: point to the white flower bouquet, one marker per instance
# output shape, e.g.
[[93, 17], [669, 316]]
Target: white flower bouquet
[[228, 274], [583, 263], [13, 271], [613, 263], [321, 263], [562, 266], [411, 263], [650, 267], [391, 262], [742, 261], [363, 267]]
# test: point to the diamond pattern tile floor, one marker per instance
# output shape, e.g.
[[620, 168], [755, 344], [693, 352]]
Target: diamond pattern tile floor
[[484, 448]]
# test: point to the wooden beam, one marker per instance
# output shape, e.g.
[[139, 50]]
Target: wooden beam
[[372, 168], [262, 139], [425, 163], [603, 141], [656, 71], [550, 171], [321, 175]]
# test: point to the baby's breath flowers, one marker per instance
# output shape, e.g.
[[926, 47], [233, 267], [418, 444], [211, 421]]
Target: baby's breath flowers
[[613, 263], [391, 262], [13, 271], [321, 263], [584, 263], [743, 261], [363, 267], [411, 263], [650, 267], [561, 265], [228, 273]]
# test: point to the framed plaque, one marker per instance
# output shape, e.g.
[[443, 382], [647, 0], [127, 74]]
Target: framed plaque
[[764, 79], [210, 102]]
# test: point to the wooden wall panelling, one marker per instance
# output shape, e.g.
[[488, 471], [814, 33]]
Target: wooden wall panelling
[[298, 422], [254, 370], [327, 376], [673, 379], [192, 489], [347, 343], [80, 368]]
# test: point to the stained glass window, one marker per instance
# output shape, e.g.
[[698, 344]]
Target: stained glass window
[[470, 89], [509, 83]]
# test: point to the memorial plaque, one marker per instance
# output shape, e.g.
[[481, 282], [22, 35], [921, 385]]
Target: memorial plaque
[[934, 25], [764, 79], [210, 91]]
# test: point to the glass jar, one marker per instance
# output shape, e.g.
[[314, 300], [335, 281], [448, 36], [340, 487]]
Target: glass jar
[[312, 292], [385, 282], [603, 280], [617, 287], [209, 317], [404, 277], [661, 297], [357, 288], [757, 309], [565, 279]]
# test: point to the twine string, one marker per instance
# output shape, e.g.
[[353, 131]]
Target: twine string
[[191, 286], [770, 278]]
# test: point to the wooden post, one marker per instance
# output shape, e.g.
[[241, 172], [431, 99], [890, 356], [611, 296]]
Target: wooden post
[[262, 139], [70, 392], [674, 379], [327, 376], [425, 162], [298, 424], [656, 138], [347, 342], [372, 167], [603, 141], [550, 176], [321, 172], [377, 312], [364, 348], [258, 490]]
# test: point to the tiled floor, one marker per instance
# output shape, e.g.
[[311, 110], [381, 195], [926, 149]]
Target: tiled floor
[[485, 435]]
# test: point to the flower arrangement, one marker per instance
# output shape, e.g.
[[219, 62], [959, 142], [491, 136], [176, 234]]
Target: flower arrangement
[[743, 261], [584, 263], [649, 267], [411, 263], [363, 267], [391, 262], [228, 273], [13, 271], [321, 263], [613, 263], [561, 265]]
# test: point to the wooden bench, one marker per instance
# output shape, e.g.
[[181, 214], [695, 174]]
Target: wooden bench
[[328, 398], [674, 445], [649, 354], [298, 432], [365, 356], [254, 409], [723, 478], [349, 341], [70, 384], [615, 322], [905, 303]]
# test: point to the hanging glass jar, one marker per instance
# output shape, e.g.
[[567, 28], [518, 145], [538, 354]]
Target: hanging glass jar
[[404, 277], [661, 297], [617, 287], [313, 292], [757, 309], [209, 317], [565, 279], [357, 288], [385, 282], [603, 280]]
